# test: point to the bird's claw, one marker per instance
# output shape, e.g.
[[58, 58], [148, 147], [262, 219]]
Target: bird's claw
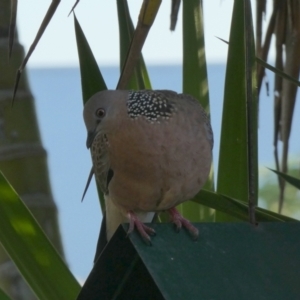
[[144, 231], [180, 221]]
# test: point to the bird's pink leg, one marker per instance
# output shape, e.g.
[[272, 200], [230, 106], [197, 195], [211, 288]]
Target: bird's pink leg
[[180, 221], [143, 230]]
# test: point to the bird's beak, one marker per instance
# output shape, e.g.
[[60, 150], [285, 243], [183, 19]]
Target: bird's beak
[[90, 138]]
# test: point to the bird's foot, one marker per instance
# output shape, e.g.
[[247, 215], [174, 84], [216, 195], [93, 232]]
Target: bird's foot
[[144, 231], [180, 221]]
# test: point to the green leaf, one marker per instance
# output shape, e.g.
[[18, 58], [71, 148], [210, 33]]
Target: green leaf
[[194, 62], [278, 72], [91, 77], [239, 121], [195, 83], [3, 296], [140, 79], [233, 146], [195, 80], [237, 209], [273, 69], [290, 179], [252, 112], [31, 251]]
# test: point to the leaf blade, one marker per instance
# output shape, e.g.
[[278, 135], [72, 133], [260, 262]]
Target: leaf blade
[[146, 18], [3, 296], [236, 208], [30, 249], [290, 179], [140, 79], [238, 163], [91, 81], [91, 78], [195, 83]]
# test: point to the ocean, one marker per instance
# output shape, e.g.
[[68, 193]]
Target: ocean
[[58, 102]]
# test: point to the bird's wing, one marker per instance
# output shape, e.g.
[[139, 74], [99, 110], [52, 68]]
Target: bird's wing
[[195, 104], [206, 119], [101, 162]]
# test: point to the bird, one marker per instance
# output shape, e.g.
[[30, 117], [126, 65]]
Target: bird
[[151, 151]]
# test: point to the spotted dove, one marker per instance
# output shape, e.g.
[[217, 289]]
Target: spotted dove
[[151, 150]]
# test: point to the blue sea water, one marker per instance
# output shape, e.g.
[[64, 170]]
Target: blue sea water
[[57, 93]]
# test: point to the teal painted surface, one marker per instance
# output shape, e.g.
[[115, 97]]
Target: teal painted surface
[[229, 261]]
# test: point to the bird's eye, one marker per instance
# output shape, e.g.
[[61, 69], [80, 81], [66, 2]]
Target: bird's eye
[[100, 112]]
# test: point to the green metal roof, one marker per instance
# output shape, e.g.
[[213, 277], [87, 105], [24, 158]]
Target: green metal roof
[[228, 261]]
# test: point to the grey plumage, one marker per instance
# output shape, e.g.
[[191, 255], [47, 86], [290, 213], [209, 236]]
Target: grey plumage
[[151, 151]]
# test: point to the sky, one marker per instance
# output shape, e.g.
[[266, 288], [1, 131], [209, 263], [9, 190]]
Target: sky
[[99, 22]]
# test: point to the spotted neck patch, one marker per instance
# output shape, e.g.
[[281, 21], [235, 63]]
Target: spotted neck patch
[[149, 104]]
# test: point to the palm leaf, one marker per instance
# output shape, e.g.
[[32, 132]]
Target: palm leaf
[[140, 79], [32, 252], [237, 208], [91, 82], [195, 83], [290, 179], [237, 171], [91, 77], [3, 296]]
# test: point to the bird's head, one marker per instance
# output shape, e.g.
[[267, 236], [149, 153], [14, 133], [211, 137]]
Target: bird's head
[[98, 110]]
